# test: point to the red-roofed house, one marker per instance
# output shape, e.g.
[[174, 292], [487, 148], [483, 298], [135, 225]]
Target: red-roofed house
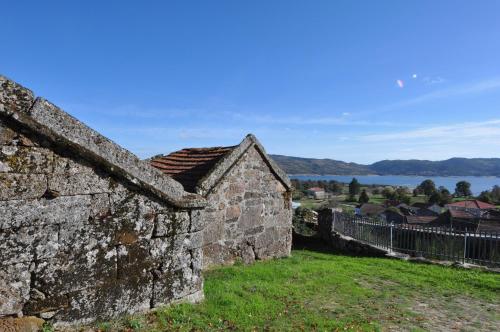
[[316, 193], [471, 204], [470, 214]]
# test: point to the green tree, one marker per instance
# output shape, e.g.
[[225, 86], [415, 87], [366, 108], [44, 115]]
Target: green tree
[[435, 198], [388, 192], [462, 189], [363, 198], [485, 196], [445, 196], [428, 187], [495, 194], [354, 187]]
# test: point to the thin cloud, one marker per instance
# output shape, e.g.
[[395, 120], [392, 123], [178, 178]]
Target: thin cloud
[[468, 130], [457, 91]]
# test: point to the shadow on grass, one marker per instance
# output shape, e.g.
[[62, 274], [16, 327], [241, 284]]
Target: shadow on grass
[[312, 243]]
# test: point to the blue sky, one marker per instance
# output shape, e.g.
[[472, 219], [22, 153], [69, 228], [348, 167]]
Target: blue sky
[[350, 80]]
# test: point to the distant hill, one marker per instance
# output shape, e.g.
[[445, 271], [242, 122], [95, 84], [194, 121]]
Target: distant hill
[[297, 165], [450, 167]]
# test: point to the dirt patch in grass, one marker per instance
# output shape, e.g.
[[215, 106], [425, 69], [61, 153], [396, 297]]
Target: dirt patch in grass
[[457, 314]]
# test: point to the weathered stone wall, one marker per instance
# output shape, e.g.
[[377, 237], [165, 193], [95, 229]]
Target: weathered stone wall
[[79, 244], [249, 214]]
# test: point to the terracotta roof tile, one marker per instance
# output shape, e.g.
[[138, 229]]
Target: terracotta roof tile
[[472, 204], [190, 165]]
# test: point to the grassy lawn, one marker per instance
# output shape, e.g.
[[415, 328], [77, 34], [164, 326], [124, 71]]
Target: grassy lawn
[[325, 292]]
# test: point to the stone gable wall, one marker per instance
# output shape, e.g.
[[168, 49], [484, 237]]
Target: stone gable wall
[[78, 244], [249, 215]]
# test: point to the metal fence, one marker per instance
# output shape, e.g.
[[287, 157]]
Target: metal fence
[[481, 248]]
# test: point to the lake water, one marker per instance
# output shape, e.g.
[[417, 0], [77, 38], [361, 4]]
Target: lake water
[[478, 183]]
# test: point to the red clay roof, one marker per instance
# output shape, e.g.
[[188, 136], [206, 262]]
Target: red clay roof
[[472, 204], [420, 219], [316, 189], [190, 165], [462, 214]]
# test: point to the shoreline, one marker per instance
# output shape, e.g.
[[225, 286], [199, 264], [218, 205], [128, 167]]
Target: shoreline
[[413, 175]]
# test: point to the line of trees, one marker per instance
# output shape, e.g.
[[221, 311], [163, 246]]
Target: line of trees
[[491, 196]]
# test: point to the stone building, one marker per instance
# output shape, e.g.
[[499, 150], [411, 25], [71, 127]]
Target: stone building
[[87, 230], [249, 212]]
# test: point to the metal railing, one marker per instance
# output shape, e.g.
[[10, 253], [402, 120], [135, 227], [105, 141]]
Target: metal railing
[[482, 248]]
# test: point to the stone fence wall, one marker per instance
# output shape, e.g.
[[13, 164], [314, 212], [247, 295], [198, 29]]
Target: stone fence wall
[[81, 238]]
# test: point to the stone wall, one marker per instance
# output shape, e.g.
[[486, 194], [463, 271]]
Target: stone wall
[[81, 238], [78, 244], [248, 216]]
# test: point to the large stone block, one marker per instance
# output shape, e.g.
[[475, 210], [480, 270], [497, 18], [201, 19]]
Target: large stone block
[[133, 215], [14, 287], [251, 217], [78, 176], [213, 232], [14, 97], [105, 301], [69, 272], [197, 220], [169, 224], [23, 244], [39, 212], [19, 159], [22, 186]]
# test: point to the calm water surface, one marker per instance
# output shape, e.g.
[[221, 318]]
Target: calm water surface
[[478, 183]]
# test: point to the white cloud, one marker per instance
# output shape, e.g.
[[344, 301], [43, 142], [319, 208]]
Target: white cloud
[[468, 130], [456, 91]]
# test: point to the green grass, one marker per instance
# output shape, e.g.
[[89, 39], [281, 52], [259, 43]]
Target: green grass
[[325, 292]]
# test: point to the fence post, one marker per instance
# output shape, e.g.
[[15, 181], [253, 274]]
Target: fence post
[[333, 222], [465, 245], [392, 225]]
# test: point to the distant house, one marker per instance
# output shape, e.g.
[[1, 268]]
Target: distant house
[[432, 207], [393, 215], [473, 215], [490, 222], [422, 211], [316, 193], [423, 220], [371, 210], [472, 204]]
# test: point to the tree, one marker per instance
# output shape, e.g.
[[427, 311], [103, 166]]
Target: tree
[[363, 198], [445, 196], [485, 196], [428, 187], [354, 187], [462, 189], [401, 194], [495, 193], [388, 192]]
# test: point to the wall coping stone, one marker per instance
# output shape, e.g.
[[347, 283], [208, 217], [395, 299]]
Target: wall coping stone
[[41, 116], [223, 166]]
